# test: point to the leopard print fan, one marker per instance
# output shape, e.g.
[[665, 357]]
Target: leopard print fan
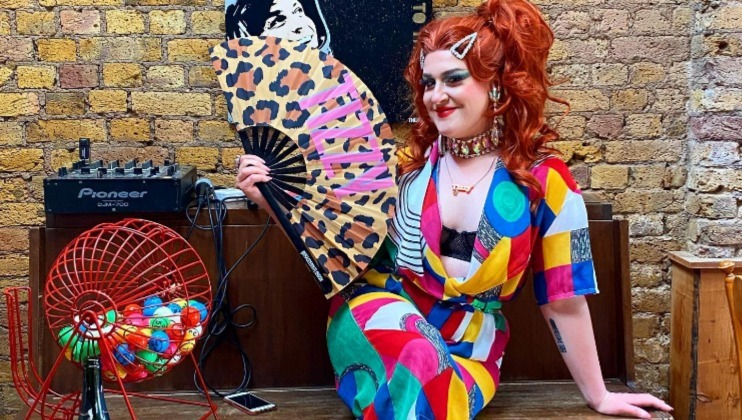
[[328, 144]]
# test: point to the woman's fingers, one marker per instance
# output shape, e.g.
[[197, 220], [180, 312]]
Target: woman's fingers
[[249, 181], [625, 404], [622, 408], [647, 400], [248, 171], [252, 169], [634, 411], [240, 158], [251, 160], [248, 164]]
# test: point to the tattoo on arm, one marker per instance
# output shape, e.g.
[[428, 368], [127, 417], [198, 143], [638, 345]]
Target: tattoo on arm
[[557, 336]]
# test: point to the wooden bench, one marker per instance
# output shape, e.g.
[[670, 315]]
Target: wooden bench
[[287, 344]]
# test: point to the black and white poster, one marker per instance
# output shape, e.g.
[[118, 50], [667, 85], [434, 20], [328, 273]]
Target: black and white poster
[[373, 38]]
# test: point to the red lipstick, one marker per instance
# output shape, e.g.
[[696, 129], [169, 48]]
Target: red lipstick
[[444, 112]]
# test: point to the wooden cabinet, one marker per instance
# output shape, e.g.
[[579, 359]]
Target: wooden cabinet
[[703, 367], [287, 343]]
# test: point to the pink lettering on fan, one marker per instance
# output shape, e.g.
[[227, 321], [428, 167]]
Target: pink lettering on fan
[[368, 180]]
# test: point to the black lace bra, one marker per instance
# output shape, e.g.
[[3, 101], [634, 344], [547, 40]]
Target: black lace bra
[[459, 245]]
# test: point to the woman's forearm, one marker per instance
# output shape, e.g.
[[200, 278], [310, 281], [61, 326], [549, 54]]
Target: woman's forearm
[[570, 325]]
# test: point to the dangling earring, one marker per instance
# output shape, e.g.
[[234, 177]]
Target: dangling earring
[[441, 146], [494, 94]]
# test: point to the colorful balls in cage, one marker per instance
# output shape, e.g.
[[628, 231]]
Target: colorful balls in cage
[[138, 375], [163, 311], [111, 376], [150, 305], [146, 338], [66, 334], [174, 307], [123, 355], [83, 350], [70, 338], [182, 303], [92, 331], [176, 330], [111, 372], [175, 359], [190, 316], [193, 333], [120, 332], [187, 345], [159, 341], [201, 309], [131, 309], [151, 360], [159, 323], [111, 316], [137, 320], [139, 339], [161, 319], [171, 350]]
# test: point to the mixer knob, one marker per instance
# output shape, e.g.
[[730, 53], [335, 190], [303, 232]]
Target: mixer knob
[[85, 170], [120, 171], [101, 172], [84, 148], [137, 170], [62, 171]]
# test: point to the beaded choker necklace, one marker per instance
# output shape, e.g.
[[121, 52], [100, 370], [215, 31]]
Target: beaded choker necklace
[[479, 145]]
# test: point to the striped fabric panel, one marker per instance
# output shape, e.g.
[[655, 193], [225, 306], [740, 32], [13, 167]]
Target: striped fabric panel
[[405, 227]]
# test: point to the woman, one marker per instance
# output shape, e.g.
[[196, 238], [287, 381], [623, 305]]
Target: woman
[[481, 200], [295, 20]]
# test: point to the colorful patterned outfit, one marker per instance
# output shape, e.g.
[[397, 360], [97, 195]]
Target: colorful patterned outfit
[[411, 342]]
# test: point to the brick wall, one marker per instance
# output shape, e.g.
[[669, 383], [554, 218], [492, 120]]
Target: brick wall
[[625, 65], [715, 176], [133, 76]]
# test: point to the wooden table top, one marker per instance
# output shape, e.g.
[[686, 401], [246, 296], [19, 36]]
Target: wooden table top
[[514, 400]]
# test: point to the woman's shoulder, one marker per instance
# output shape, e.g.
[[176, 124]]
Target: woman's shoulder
[[404, 158], [408, 178], [551, 169]]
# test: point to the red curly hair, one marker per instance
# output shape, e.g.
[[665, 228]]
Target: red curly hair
[[510, 52]]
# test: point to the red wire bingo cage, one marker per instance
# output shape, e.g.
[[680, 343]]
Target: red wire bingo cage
[[133, 294]]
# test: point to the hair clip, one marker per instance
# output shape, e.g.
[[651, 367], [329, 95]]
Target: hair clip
[[455, 48], [422, 58]]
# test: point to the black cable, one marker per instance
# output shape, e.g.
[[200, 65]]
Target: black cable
[[222, 325], [193, 222], [193, 218]]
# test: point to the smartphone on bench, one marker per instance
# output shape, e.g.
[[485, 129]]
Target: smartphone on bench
[[249, 403]]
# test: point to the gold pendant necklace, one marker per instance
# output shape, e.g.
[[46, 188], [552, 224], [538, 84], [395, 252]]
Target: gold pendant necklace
[[456, 188], [466, 189]]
